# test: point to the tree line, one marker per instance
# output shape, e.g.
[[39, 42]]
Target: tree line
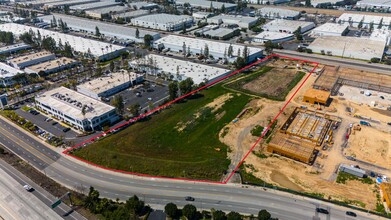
[[6, 37], [134, 208]]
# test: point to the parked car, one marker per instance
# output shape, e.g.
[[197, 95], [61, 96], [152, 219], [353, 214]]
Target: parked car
[[48, 119], [54, 123], [349, 213], [321, 210], [189, 198], [28, 188], [66, 129]]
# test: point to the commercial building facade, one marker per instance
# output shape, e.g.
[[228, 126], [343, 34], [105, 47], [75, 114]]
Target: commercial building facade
[[109, 85], [78, 110]]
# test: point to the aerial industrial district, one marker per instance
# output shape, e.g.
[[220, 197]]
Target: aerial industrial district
[[195, 109]]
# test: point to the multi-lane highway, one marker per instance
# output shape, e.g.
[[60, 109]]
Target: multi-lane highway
[[157, 192]]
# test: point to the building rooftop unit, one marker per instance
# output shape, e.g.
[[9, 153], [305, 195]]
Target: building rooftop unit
[[72, 103], [108, 29], [198, 72], [206, 4], [7, 71], [94, 5], [79, 44], [51, 64], [14, 47], [197, 43], [164, 18], [289, 26], [270, 12], [68, 2], [353, 47], [271, 35], [29, 57], [108, 10], [330, 29], [105, 83]]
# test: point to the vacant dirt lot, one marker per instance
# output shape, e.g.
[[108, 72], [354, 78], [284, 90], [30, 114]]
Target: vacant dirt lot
[[371, 145]]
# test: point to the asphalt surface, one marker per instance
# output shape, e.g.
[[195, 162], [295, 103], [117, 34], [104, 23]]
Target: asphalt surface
[[32, 205], [158, 192]]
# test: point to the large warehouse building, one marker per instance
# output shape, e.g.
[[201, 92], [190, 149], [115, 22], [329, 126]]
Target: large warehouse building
[[274, 37], [106, 12], [82, 112], [330, 29], [355, 19], [52, 66], [31, 59], [196, 45], [109, 85], [288, 26], [62, 4], [384, 4], [349, 47], [164, 22], [100, 50], [170, 67], [14, 48], [107, 29], [241, 21], [203, 4], [94, 5], [7, 73], [277, 13]]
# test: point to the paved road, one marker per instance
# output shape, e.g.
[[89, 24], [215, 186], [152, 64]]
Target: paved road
[[158, 192], [335, 61], [17, 203]]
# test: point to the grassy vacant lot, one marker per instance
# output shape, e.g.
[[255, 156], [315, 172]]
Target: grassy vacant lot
[[268, 82], [179, 142]]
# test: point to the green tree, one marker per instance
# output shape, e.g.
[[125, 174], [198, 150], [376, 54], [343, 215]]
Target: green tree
[[269, 46], [189, 211], [137, 33], [2, 150], [219, 215], [173, 90], [223, 8], [360, 24], [148, 40], [380, 24], [371, 26], [91, 200], [48, 43], [97, 31], [120, 213], [245, 53], [308, 3], [240, 63], [134, 205], [298, 34], [26, 38], [118, 103], [234, 216], [112, 66], [230, 51], [134, 109], [206, 51], [171, 210], [186, 85], [264, 215]]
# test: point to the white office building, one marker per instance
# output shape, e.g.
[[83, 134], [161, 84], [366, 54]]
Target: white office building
[[385, 4], [274, 37], [164, 22], [349, 47], [109, 85], [52, 66], [366, 20], [107, 29], [99, 50], [277, 13], [14, 48], [80, 111], [31, 59], [204, 4], [179, 70], [330, 29], [216, 48], [288, 26], [241, 21], [7, 74]]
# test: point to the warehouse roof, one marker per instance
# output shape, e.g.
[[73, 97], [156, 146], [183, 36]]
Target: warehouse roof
[[292, 146], [359, 46], [51, 64], [132, 14], [241, 19], [93, 5], [206, 4], [197, 43], [290, 25], [103, 84], [7, 71], [277, 12], [164, 18], [107, 10], [14, 47], [365, 18], [219, 32], [105, 28], [32, 56], [71, 103], [140, 5], [316, 94], [198, 72], [376, 3], [271, 35], [68, 2], [334, 28], [39, 2], [79, 44]]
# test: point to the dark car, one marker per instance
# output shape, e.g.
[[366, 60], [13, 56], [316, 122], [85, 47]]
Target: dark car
[[66, 129], [189, 198], [349, 213], [54, 123], [321, 210]]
